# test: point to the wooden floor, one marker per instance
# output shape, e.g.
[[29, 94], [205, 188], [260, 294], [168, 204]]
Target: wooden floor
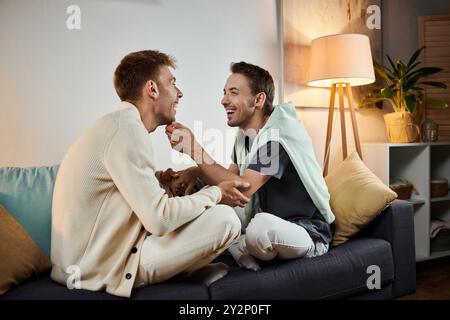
[[433, 280]]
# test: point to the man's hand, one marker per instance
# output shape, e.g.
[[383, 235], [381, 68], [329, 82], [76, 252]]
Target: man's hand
[[231, 195], [181, 138], [167, 178], [187, 182]]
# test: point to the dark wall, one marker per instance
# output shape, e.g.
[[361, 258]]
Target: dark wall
[[400, 27]]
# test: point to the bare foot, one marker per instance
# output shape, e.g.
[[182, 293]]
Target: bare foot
[[210, 273], [240, 254]]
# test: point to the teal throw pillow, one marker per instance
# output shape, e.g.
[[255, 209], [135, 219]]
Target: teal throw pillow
[[27, 194]]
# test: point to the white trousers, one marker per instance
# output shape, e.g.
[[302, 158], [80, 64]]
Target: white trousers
[[188, 248], [268, 236]]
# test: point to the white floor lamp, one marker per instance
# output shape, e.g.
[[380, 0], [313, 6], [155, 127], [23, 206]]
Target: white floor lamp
[[337, 62]]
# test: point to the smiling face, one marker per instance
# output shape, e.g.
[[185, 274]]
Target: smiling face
[[168, 97], [238, 100]]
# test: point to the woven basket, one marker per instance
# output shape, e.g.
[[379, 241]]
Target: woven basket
[[442, 241], [402, 188], [439, 188]]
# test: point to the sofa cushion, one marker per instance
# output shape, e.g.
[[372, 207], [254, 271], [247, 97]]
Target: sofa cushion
[[42, 287], [384, 293], [339, 273], [27, 194], [357, 196], [342, 272], [176, 290], [20, 258]]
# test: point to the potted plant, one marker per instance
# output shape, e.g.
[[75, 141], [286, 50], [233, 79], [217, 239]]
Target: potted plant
[[404, 89]]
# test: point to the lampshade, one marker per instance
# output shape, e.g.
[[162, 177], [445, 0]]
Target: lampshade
[[341, 58]]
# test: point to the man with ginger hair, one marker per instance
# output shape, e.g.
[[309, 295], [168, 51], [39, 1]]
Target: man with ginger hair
[[112, 219]]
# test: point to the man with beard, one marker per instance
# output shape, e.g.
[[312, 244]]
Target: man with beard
[[111, 219], [288, 215]]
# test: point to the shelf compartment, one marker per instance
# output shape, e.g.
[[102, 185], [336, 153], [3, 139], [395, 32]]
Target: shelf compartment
[[439, 254], [393, 162], [440, 199], [416, 201]]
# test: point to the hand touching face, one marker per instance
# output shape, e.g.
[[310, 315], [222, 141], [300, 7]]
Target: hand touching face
[[181, 138]]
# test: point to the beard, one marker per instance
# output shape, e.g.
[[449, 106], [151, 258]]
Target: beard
[[166, 113], [167, 119], [244, 114]]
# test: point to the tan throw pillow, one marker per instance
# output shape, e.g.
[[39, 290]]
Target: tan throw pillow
[[357, 196], [20, 257]]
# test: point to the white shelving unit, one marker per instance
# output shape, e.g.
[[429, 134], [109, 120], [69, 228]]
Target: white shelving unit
[[418, 163]]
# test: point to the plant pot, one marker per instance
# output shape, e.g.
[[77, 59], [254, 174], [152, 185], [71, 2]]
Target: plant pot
[[401, 127]]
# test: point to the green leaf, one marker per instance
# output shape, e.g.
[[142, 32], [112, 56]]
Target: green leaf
[[435, 103], [415, 56], [426, 71], [420, 73], [382, 71], [404, 84], [394, 68], [387, 93], [372, 100], [418, 94], [434, 84], [401, 69], [375, 101], [374, 91], [410, 103], [419, 98], [411, 68]]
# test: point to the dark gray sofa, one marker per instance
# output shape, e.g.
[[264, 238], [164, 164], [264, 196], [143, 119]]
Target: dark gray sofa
[[388, 242]]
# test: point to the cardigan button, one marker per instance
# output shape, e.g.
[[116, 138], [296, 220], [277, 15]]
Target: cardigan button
[[128, 276], [134, 250]]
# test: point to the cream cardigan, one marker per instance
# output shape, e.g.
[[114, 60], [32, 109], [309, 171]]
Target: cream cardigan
[[107, 199]]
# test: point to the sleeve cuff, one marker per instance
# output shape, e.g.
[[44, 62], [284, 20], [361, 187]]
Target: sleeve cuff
[[217, 192]]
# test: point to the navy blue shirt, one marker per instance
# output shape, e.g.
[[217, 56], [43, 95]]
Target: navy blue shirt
[[284, 194]]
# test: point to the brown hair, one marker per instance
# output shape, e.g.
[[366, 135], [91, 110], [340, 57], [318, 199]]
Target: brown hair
[[260, 81], [136, 69]]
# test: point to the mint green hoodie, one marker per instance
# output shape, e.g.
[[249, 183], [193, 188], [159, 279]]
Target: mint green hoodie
[[284, 127]]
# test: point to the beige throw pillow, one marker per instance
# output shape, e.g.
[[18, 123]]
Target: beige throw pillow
[[357, 196], [20, 257]]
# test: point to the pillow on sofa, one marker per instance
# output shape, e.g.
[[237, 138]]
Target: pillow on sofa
[[27, 194], [20, 257], [357, 196]]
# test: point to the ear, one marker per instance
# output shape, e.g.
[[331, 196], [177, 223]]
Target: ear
[[260, 99], [151, 89]]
